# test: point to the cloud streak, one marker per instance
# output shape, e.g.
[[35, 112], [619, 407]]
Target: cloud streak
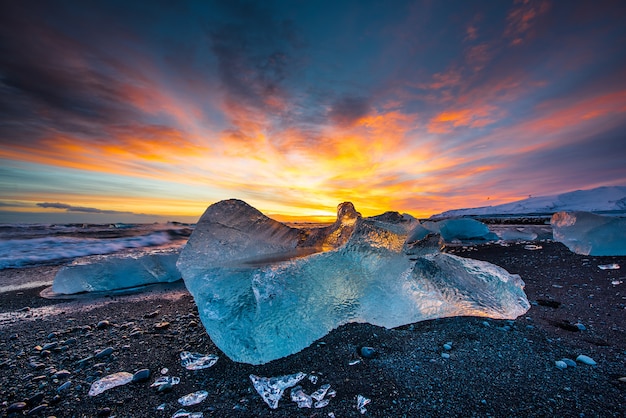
[[70, 208]]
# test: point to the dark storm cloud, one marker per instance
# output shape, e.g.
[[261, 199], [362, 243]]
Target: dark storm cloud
[[348, 110], [256, 52], [50, 80], [71, 208]]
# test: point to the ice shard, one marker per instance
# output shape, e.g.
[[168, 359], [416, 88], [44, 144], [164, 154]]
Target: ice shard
[[260, 299], [114, 272], [590, 234]]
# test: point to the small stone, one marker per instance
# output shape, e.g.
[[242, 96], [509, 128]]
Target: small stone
[[50, 346], [622, 379], [586, 360], [447, 346], [103, 353], [580, 326], [367, 352], [16, 407], [65, 386], [141, 375], [151, 314], [35, 399], [103, 324], [560, 364], [445, 355], [104, 412], [38, 409], [162, 325], [569, 362]]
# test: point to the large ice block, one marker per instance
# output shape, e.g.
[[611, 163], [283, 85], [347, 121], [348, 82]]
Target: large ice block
[[259, 311], [114, 272], [590, 234]]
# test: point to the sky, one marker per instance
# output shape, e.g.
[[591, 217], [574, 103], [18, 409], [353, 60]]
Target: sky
[[153, 110]]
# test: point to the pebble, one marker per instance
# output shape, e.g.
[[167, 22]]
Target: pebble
[[35, 399], [151, 314], [106, 352], [162, 325], [16, 407], [38, 409], [61, 374], [622, 379], [447, 346], [586, 360], [445, 355], [141, 375], [580, 326], [64, 386], [560, 364], [367, 352], [103, 324], [569, 362]]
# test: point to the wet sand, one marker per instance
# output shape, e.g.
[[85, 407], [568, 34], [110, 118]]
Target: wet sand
[[495, 368]]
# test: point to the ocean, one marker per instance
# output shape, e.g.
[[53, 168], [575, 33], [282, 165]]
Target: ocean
[[29, 245]]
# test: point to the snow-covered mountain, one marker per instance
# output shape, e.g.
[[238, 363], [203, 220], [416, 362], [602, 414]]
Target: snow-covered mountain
[[601, 199]]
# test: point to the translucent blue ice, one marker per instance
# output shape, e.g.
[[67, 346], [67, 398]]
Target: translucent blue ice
[[590, 234]]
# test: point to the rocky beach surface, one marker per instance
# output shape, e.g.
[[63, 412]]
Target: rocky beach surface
[[53, 350]]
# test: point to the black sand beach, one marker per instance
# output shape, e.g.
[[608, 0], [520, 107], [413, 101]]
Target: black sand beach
[[495, 368]]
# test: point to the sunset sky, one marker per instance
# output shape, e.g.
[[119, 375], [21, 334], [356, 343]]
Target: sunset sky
[[141, 111]]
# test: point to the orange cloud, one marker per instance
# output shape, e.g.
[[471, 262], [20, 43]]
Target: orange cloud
[[447, 121]]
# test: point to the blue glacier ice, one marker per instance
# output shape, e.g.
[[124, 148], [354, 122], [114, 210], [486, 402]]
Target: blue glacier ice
[[461, 229], [590, 234], [114, 272], [265, 290]]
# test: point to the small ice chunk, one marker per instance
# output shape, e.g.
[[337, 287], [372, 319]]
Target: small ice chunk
[[193, 398], [165, 380], [616, 282], [197, 361], [271, 388], [590, 234], [322, 403], [301, 398], [463, 229], [613, 266], [110, 381], [113, 272], [313, 379], [161, 407], [586, 360], [361, 401], [319, 394], [181, 413]]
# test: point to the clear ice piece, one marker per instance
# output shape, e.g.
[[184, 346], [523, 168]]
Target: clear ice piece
[[321, 403], [114, 272], [165, 380], [259, 303], [271, 388], [181, 413], [110, 381], [193, 398], [197, 361], [361, 401], [161, 407], [463, 229], [319, 394], [590, 234], [301, 398], [612, 266]]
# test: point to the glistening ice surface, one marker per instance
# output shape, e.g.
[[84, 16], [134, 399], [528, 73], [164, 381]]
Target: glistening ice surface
[[589, 234], [259, 302]]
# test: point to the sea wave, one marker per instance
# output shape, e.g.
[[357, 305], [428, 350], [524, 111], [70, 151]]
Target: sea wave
[[38, 245]]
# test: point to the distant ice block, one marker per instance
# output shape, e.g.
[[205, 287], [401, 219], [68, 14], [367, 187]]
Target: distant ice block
[[113, 272], [589, 234], [462, 229], [257, 310]]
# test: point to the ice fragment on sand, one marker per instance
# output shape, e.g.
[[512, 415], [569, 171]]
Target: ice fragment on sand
[[301, 398], [110, 381], [585, 360], [613, 266], [165, 381], [193, 398], [322, 403], [271, 388], [113, 272], [319, 394], [361, 401], [181, 413], [197, 361], [245, 290], [589, 234]]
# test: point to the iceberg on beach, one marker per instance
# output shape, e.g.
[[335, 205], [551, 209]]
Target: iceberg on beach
[[114, 272], [461, 229], [265, 290], [589, 234]]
